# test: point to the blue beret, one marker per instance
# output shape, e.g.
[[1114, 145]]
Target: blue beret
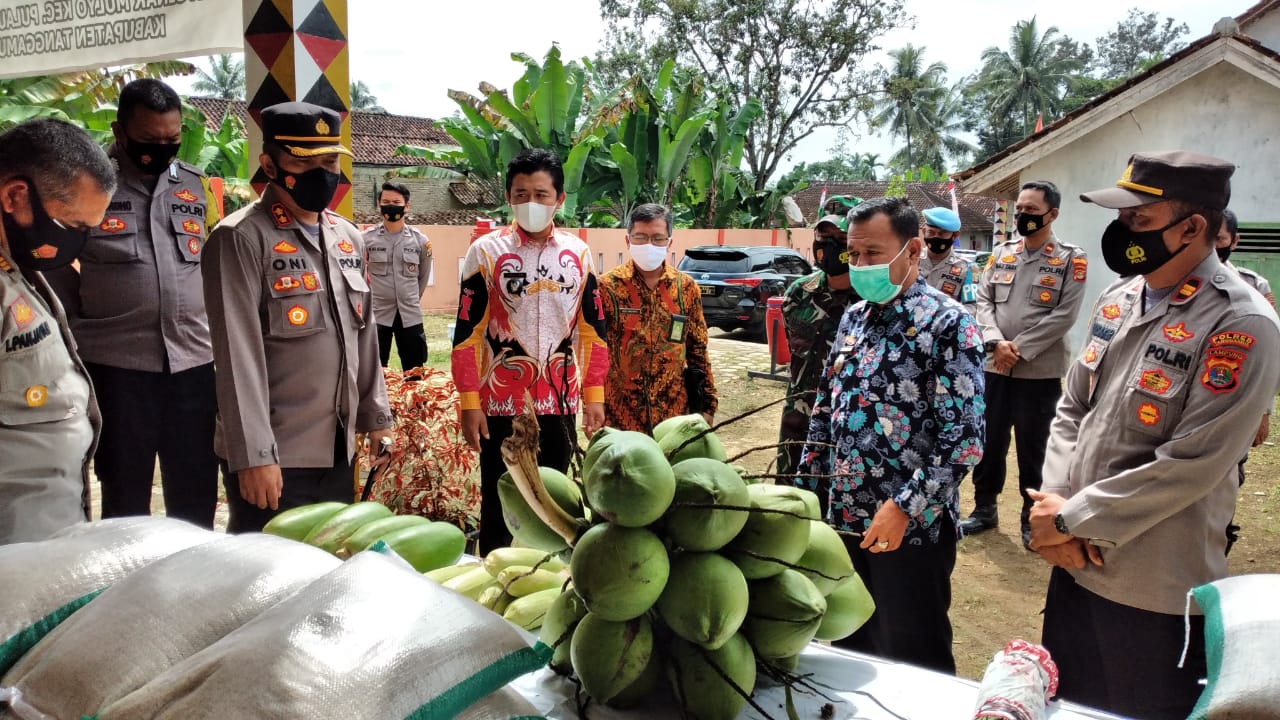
[[942, 218]]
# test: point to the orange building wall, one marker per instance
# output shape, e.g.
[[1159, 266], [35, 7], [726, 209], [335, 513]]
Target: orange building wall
[[449, 245]]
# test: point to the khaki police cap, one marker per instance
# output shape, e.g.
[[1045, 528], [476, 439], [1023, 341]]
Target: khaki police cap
[[1178, 175], [303, 130]]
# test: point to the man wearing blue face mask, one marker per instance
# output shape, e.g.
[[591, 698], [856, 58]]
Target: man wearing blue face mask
[[896, 425], [293, 333], [1140, 476]]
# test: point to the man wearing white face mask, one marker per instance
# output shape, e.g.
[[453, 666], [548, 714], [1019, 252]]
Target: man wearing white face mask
[[656, 333], [530, 324], [895, 426]]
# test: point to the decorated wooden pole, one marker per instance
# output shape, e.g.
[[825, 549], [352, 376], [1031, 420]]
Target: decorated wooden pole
[[297, 50]]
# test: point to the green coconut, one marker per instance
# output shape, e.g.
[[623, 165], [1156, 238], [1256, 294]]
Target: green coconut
[[644, 686], [849, 607], [812, 507], [619, 571], [524, 524], [705, 600], [608, 657], [770, 541], [598, 443], [630, 481], [561, 620], [702, 481], [672, 433], [826, 561], [783, 615], [698, 675]]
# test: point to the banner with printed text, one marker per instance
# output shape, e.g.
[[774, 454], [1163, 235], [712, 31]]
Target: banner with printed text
[[52, 36]]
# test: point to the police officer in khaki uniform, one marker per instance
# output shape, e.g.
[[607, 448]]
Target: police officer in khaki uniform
[[293, 334], [55, 183], [1028, 299], [137, 310], [942, 268], [399, 268], [1182, 357]]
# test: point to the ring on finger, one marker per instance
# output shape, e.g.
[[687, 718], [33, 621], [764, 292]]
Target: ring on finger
[[883, 544]]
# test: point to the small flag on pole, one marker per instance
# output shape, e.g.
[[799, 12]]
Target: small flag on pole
[[822, 202], [955, 204], [1039, 122]]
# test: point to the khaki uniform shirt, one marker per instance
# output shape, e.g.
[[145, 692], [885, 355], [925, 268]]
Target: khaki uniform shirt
[[399, 268], [1157, 410], [139, 304], [953, 276], [294, 345], [1032, 299], [48, 417], [1255, 281]]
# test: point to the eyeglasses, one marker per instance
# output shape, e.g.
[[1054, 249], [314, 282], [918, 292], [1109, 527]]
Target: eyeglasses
[[831, 238], [654, 240]]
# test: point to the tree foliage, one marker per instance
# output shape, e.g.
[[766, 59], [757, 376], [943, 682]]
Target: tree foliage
[[1138, 40], [800, 60], [224, 79], [363, 99]]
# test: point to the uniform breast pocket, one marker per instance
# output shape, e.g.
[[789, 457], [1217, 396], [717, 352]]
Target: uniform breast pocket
[[295, 307], [411, 257], [1001, 289], [357, 292], [379, 259], [1044, 296], [32, 389], [189, 233], [1147, 414], [114, 240]]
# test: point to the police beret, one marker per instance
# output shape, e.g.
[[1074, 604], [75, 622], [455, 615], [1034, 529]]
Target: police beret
[[942, 218]]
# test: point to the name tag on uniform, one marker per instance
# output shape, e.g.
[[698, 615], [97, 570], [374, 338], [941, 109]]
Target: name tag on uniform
[[677, 328]]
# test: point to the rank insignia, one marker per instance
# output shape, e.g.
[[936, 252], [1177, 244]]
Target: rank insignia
[[280, 215], [310, 282], [45, 252], [297, 315], [949, 288], [186, 195], [193, 244], [1187, 291], [1055, 261], [1178, 333], [1111, 312], [286, 282], [1050, 248], [1048, 281], [1079, 268], [1148, 414], [191, 226], [284, 247], [113, 225], [346, 247]]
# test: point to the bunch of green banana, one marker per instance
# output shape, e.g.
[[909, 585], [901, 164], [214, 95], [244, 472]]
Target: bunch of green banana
[[517, 583]]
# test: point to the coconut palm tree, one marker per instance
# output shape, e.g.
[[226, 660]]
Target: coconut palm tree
[[908, 92], [939, 137], [363, 99], [225, 78], [1030, 77]]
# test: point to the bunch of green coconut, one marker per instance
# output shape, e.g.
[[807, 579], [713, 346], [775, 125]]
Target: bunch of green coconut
[[684, 575]]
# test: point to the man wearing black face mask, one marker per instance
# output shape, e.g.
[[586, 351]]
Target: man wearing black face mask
[[955, 276], [137, 310], [55, 183], [399, 268], [293, 332], [1028, 298], [1140, 477], [811, 309]]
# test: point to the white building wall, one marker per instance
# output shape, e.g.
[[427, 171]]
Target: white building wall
[[1223, 112], [1266, 30]]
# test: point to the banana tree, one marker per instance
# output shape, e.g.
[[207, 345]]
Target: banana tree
[[715, 179], [79, 96]]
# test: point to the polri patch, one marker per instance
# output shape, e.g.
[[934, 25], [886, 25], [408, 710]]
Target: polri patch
[[286, 282], [21, 313], [1155, 381], [113, 225], [1111, 312], [297, 315], [310, 282], [1177, 333], [1222, 366], [193, 244], [36, 395], [191, 226], [1148, 414], [346, 246], [284, 247], [186, 195]]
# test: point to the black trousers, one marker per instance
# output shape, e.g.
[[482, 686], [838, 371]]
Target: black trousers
[[1118, 658], [1026, 407], [148, 414], [554, 451], [302, 486], [411, 343], [912, 590]]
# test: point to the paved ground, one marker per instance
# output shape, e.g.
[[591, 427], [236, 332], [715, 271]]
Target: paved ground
[[734, 357]]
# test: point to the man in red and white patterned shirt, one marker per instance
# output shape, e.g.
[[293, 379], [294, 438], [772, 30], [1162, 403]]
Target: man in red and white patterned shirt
[[530, 320]]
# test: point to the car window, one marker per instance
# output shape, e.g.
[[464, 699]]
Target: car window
[[697, 260], [791, 265]]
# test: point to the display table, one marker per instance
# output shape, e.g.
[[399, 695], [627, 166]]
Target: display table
[[859, 686]]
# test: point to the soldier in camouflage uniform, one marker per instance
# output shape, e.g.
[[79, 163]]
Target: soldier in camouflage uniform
[[812, 310]]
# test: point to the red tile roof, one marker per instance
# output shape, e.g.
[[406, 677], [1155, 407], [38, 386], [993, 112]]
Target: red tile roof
[[438, 217], [976, 211], [374, 136]]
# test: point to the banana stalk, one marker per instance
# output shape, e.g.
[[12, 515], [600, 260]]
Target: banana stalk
[[520, 453]]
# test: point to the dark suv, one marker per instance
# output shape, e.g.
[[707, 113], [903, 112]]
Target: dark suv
[[737, 280]]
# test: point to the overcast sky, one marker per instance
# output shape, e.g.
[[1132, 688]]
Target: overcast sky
[[411, 53]]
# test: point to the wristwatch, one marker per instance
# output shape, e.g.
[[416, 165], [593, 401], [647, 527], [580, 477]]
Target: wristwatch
[[1060, 524], [990, 345]]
